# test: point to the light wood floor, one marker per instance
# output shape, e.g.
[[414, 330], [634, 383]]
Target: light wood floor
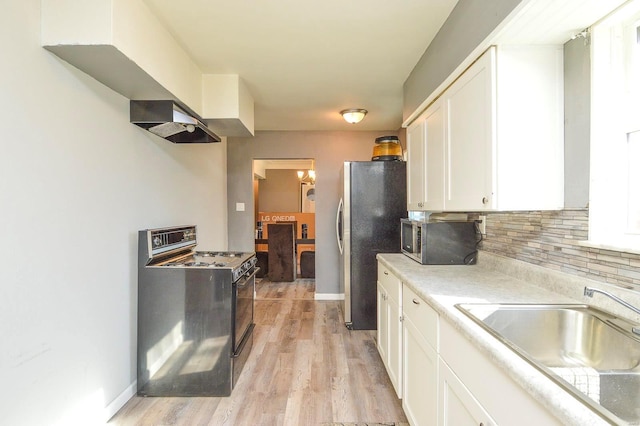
[[305, 368]]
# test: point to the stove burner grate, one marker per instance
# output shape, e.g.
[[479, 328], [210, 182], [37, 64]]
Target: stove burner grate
[[218, 254], [197, 264]]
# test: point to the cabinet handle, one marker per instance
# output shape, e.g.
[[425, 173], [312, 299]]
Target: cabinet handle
[[415, 302], [420, 204], [386, 273], [485, 200]]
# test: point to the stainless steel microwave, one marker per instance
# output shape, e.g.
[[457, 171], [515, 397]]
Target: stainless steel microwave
[[439, 243]]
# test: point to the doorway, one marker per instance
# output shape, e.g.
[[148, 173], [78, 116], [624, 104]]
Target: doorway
[[284, 192]]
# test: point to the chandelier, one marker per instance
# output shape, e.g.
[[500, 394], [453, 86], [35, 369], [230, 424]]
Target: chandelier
[[308, 177]]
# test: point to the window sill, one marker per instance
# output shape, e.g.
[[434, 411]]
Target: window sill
[[611, 247]]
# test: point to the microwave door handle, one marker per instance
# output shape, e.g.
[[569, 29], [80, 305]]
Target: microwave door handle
[[338, 230]]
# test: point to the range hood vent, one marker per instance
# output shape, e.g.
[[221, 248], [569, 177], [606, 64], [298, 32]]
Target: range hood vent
[[171, 121]]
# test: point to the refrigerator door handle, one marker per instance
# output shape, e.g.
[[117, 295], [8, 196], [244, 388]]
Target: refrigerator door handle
[[338, 230]]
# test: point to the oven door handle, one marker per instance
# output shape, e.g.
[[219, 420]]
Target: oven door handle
[[244, 341], [242, 283]]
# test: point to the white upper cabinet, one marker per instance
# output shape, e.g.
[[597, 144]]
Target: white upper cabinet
[[469, 143], [416, 177], [494, 139], [426, 160], [435, 156]]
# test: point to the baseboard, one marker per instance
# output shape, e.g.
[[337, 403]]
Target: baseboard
[[329, 296], [365, 424], [115, 405]]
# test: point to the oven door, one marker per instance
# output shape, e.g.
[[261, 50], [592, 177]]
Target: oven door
[[243, 295]]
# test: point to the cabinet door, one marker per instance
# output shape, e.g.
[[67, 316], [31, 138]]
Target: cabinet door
[[389, 332], [394, 354], [488, 384], [470, 139], [382, 333], [420, 377], [458, 407], [434, 157], [416, 138]]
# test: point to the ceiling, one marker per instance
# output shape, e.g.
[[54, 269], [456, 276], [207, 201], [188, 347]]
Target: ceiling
[[305, 61]]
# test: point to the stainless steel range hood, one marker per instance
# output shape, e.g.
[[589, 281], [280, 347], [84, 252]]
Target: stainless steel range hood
[[171, 121]]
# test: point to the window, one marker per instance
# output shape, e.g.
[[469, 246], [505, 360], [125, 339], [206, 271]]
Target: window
[[614, 205]]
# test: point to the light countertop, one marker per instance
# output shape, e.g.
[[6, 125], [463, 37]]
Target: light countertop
[[496, 279]]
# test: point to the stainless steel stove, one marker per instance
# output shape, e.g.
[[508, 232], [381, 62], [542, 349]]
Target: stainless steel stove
[[195, 315]]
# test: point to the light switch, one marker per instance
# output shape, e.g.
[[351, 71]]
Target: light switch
[[239, 207]]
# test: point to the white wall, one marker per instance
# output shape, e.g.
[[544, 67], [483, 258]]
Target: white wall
[[577, 122], [77, 181]]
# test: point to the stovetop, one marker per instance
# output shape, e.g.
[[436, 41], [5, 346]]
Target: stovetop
[[238, 263], [175, 248], [211, 259]]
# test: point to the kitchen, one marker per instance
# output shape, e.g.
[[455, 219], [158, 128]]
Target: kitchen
[[78, 176]]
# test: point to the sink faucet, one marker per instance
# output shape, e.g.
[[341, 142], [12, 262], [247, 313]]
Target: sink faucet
[[588, 291]]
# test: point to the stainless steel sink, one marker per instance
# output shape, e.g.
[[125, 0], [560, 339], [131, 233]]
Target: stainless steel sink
[[590, 352]]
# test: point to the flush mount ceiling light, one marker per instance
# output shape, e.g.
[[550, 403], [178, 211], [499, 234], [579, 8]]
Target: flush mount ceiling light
[[353, 115]]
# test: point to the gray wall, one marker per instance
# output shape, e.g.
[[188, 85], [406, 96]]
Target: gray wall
[[330, 150], [470, 22], [577, 122]]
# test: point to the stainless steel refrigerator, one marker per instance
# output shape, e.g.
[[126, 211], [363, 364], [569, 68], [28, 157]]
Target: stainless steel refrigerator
[[374, 199]]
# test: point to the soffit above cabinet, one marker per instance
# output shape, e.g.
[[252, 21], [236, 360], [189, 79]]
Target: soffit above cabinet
[[123, 46], [551, 21], [532, 22]]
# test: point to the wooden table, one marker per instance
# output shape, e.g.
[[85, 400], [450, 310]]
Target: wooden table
[[302, 244], [298, 241]]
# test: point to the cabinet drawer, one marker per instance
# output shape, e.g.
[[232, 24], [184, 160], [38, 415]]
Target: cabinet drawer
[[390, 282], [421, 315]]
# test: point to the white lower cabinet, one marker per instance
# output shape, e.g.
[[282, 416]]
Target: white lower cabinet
[[420, 393], [382, 333], [389, 334], [458, 406], [442, 378], [485, 390]]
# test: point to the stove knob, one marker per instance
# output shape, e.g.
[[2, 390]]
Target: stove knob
[[157, 241]]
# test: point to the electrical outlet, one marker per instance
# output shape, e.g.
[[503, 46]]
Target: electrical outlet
[[482, 225]]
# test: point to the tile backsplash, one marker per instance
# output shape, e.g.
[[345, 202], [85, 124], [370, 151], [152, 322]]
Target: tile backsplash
[[550, 239]]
